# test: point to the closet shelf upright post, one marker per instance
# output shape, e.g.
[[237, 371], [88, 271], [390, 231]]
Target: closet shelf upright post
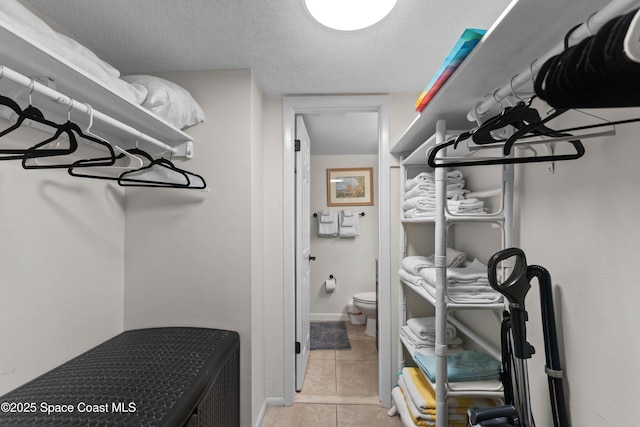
[[441, 283]]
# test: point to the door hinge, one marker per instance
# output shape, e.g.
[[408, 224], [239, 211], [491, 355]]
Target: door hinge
[[297, 347], [297, 146]]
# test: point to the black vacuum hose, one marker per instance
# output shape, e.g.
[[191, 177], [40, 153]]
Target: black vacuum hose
[[554, 371]]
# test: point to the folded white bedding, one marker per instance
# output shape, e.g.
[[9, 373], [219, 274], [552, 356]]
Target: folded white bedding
[[23, 22], [168, 100]]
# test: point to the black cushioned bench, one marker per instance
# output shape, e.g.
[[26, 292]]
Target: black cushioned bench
[[146, 377]]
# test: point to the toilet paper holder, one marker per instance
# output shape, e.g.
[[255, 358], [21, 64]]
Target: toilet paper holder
[[330, 284]]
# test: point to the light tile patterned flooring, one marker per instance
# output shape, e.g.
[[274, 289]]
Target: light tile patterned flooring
[[340, 389]]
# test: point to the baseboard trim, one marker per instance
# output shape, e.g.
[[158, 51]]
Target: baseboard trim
[[328, 317], [269, 401]]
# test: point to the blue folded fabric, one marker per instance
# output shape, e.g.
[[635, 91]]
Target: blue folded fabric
[[469, 365]]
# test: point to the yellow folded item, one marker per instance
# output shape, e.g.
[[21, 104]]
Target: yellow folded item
[[425, 422], [429, 396]]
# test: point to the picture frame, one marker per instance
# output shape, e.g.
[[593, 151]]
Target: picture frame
[[350, 187]]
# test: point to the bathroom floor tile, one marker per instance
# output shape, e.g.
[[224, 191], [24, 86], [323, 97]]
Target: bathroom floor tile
[[362, 348], [356, 330], [366, 415], [322, 354], [337, 400], [359, 377], [340, 389], [320, 377], [300, 414]]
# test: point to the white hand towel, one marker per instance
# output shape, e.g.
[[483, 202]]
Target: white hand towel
[[326, 217], [327, 224], [348, 218], [348, 224]]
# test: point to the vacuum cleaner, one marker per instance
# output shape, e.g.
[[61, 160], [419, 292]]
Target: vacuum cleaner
[[516, 350]]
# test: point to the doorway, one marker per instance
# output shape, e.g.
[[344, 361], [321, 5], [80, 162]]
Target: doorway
[[295, 106]]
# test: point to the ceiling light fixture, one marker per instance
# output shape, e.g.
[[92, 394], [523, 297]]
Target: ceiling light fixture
[[349, 15]]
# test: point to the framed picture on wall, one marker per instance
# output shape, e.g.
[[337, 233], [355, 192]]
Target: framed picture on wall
[[350, 187]]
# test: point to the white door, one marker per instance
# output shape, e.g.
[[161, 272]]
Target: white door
[[303, 243]]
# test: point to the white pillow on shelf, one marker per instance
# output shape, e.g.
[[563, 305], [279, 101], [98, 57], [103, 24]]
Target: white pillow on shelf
[[168, 100], [33, 29]]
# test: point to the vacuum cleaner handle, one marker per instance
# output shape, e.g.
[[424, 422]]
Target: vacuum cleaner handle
[[476, 416], [515, 289], [516, 286]]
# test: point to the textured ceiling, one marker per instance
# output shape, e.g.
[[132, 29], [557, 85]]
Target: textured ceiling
[[288, 51]]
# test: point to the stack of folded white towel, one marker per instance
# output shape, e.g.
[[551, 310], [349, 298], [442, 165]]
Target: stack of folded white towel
[[420, 196], [467, 283], [420, 333], [412, 265], [333, 224]]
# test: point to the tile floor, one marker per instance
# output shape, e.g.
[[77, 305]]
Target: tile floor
[[340, 389]]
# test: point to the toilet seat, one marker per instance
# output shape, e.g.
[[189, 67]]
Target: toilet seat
[[365, 297]]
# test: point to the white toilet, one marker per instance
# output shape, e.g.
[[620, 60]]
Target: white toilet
[[366, 303]]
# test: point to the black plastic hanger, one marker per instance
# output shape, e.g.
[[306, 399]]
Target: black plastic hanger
[[34, 114], [84, 172], [595, 73], [73, 128], [439, 163], [510, 116], [128, 179], [84, 135]]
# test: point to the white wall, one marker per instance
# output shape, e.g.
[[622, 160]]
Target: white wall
[[350, 260], [191, 256], [62, 264], [581, 224], [273, 247]]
